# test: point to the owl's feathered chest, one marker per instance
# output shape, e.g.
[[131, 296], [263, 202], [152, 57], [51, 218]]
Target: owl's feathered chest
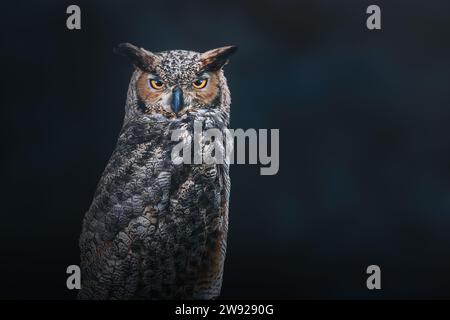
[[173, 217]]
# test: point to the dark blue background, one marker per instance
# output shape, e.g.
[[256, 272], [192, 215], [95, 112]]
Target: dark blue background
[[364, 127]]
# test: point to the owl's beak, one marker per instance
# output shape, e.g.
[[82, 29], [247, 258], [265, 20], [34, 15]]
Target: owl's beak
[[177, 100]]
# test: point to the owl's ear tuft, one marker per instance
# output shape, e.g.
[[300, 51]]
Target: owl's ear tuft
[[215, 59], [141, 58]]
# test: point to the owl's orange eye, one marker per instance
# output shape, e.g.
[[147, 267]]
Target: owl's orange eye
[[156, 84], [200, 83]]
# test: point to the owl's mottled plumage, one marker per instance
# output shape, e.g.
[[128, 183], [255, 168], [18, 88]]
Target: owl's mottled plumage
[[155, 229]]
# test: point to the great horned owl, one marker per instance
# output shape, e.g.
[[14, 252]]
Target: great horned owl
[[157, 229]]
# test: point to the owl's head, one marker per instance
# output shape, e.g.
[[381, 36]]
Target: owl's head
[[178, 82]]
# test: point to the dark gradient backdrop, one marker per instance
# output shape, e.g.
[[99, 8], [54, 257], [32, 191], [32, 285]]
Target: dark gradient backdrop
[[364, 124]]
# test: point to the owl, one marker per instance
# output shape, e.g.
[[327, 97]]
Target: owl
[[157, 229]]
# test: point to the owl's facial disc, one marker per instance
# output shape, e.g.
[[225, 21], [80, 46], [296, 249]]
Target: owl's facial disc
[[176, 82], [176, 97]]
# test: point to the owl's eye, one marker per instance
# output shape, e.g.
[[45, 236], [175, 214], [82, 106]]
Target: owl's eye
[[200, 83], [156, 84]]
